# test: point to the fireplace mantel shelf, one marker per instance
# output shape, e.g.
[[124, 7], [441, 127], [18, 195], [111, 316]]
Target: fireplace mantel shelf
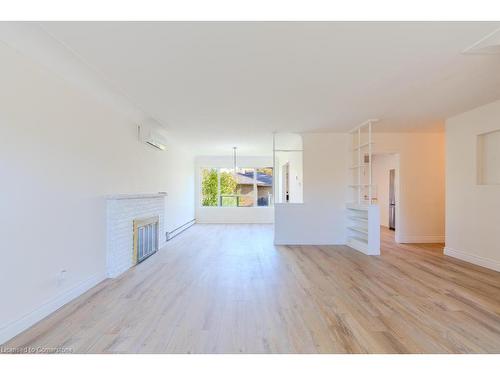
[[136, 196]]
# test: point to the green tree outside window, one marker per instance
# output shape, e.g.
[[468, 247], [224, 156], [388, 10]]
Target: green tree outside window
[[228, 186]]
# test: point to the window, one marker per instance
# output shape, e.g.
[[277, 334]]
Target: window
[[228, 196], [245, 189], [209, 187], [248, 187], [264, 182]]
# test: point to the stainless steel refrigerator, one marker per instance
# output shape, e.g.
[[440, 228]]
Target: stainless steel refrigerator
[[392, 200]]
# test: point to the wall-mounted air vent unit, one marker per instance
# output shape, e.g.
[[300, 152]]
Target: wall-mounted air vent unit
[[151, 134]]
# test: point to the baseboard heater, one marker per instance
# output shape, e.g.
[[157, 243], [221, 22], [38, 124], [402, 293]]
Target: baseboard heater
[[174, 232]]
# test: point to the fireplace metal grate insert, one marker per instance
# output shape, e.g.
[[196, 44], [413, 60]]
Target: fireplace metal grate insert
[[146, 238]]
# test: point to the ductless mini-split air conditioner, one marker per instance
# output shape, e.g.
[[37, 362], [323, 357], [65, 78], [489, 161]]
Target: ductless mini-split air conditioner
[[150, 134]]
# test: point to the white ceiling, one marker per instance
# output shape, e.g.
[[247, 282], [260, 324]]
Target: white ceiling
[[219, 84]]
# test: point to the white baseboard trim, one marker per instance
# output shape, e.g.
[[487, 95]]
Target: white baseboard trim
[[198, 221], [421, 239], [474, 259], [117, 272], [279, 242], [17, 326]]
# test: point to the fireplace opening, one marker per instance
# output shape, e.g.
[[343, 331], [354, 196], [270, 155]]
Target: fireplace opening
[[146, 238]]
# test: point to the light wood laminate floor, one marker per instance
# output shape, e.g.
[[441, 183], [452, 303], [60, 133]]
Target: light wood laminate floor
[[227, 289]]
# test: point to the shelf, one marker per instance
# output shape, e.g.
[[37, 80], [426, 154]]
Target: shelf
[[362, 145], [360, 218], [363, 216], [357, 207], [359, 166], [359, 244], [367, 123], [359, 239], [359, 229], [363, 227]]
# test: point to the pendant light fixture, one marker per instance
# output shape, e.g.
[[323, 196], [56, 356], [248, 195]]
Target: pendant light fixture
[[235, 167]]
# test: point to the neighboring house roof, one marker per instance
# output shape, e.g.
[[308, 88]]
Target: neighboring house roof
[[247, 179]]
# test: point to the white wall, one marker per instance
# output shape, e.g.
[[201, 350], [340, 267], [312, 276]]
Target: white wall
[[420, 217], [472, 210], [381, 166], [61, 153], [321, 218], [231, 214]]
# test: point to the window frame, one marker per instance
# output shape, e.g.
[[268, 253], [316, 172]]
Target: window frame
[[255, 191]]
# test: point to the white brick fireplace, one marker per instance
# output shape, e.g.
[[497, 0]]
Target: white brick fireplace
[[121, 212]]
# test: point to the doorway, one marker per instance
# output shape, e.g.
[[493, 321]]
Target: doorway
[[285, 174], [392, 199], [385, 169]]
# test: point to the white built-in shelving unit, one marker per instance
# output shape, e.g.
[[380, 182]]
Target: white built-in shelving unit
[[363, 216]]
